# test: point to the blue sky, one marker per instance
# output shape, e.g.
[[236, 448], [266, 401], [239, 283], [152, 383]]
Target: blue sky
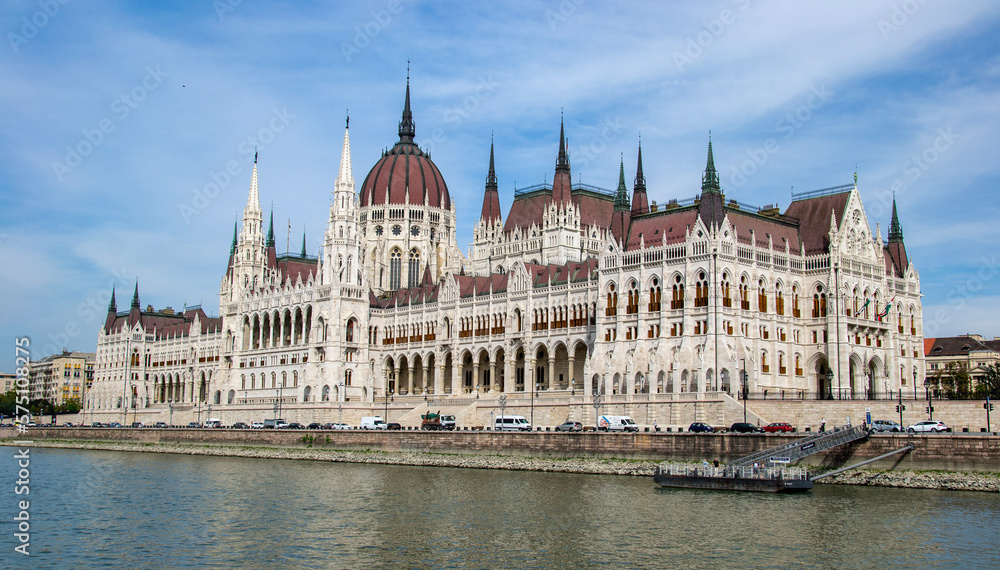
[[116, 116]]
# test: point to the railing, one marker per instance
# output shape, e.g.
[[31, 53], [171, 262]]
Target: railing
[[822, 192], [732, 471]]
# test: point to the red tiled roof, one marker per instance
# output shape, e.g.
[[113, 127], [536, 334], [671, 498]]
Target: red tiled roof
[[814, 219], [654, 226], [781, 233]]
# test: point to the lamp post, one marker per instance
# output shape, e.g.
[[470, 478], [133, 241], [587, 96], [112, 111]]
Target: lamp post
[[597, 409], [340, 402], [388, 394], [743, 373], [930, 400], [534, 394], [503, 405], [274, 413], [914, 383], [171, 404], [209, 416], [829, 383]]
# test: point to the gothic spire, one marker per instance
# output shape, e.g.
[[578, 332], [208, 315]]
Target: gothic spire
[[270, 230], [562, 162], [345, 176], [406, 126], [895, 230], [710, 180], [253, 200], [232, 248], [640, 204], [303, 242], [491, 198], [112, 306], [621, 196], [135, 296]]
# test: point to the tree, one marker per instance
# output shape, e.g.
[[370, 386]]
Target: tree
[[953, 382], [990, 382], [8, 403]]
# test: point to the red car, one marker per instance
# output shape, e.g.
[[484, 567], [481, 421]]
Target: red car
[[778, 427]]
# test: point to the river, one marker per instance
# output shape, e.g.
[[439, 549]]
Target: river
[[101, 509]]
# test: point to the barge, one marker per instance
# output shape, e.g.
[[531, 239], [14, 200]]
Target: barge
[[775, 479]]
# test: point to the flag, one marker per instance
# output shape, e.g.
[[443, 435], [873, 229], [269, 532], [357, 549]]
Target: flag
[[863, 307], [885, 313]]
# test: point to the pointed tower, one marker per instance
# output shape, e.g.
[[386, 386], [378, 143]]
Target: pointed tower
[[640, 203], [562, 191], [135, 311], [489, 226], [342, 252], [109, 321], [303, 254], [710, 206], [407, 130], [897, 251], [249, 256], [491, 198], [622, 216]]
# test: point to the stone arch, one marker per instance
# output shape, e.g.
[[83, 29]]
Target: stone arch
[[231, 397]]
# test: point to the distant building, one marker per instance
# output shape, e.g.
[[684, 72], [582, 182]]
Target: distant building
[[8, 381], [971, 351], [60, 378]]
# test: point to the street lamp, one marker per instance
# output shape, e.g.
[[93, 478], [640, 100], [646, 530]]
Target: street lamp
[[534, 394], [597, 409], [930, 400], [503, 405], [743, 373], [340, 402], [914, 383], [171, 404], [388, 394], [277, 394], [829, 383]]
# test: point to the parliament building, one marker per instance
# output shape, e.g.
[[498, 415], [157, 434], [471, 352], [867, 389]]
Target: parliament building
[[665, 312]]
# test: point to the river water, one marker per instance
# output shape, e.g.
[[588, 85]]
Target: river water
[[97, 509]]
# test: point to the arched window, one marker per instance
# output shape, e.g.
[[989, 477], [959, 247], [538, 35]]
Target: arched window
[[677, 302], [762, 296], [701, 290], [395, 266], [414, 268], [779, 299], [612, 308], [795, 301], [744, 294], [727, 299], [349, 334], [633, 299], [654, 295]]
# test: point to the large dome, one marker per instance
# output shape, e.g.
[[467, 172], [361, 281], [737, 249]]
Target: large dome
[[405, 173], [405, 169]]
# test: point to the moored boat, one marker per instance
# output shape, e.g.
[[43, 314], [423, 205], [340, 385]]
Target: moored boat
[[780, 479]]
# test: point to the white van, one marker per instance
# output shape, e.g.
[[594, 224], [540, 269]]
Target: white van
[[213, 423], [511, 423], [617, 423], [372, 422]]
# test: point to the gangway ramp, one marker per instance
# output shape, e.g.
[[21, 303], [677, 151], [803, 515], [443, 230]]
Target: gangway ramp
[[804, 447]]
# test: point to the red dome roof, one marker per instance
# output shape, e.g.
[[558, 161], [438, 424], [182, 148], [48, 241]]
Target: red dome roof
[[405, 169]]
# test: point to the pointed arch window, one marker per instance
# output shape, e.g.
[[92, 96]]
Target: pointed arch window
[[654, 295], [414, 268], [677, 302], [395, 267]]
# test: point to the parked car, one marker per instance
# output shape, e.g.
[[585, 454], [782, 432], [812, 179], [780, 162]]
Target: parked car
[[740, 427], [776, 427], [927, 426], [193, 424], [256, 425], [114, 425], [699, 427], [137, 424], [337, 426], [569, 426], [314, 425], [393, 425], [240, 425], [885, 425], [160, 425], [293, 425]]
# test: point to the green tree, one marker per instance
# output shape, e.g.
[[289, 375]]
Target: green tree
[[990, 382], [8, 403]]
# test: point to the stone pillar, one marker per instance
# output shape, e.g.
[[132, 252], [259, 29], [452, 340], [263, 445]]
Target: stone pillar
[[412, 376], [398, 378], [571, 372], [509, 376], [425, 380], [493, 377], [439, 380], [475, 377], [588, 386], [529, 378], [552, 373]]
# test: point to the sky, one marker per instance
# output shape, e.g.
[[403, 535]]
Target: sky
[[127, 130]]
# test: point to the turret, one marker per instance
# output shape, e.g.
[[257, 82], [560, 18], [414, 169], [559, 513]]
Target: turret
[[640, 203], [491, 197], [710, 206], [622, 217], [562, 191]]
